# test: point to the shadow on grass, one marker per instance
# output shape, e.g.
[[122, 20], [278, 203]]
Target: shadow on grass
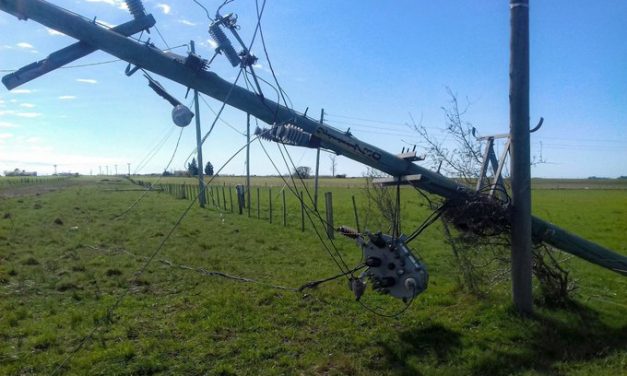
[[575, 334], [539, 343], [433, 341]]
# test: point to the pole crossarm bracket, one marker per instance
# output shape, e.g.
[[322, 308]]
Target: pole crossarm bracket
[[401, 180], [411, 156]]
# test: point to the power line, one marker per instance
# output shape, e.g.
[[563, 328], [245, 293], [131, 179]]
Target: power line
[[222, 120], [149, 260]]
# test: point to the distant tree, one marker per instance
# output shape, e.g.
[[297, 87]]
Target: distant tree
[[209, 169], [166, 173], [333, 159], [302, 172], [192, 167]]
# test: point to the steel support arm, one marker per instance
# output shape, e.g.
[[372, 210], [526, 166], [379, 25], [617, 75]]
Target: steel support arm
[[209, 83], [69, 54]]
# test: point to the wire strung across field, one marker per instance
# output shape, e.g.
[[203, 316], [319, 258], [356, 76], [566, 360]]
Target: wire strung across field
[[144, 267]]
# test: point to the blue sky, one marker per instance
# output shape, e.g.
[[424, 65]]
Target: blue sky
[[369, 64]]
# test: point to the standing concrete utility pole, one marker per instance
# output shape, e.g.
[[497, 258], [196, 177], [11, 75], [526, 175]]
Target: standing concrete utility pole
[[201, 179], [248, 162], [116, 170], [129, 169], [317, 166], [55, 169], [520, 159]]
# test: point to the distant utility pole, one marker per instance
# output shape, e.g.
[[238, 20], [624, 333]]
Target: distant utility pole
[[55, 169], [116, 169], [129, 169], [520, 158], [201, 182], [99, 170], [107, 170]]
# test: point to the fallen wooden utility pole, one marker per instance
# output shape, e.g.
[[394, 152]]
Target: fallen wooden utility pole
[[175, 68]]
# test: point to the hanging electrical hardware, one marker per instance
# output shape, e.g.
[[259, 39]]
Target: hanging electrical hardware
[[181, 115], [288, 134], [244, 58], [392, 267]]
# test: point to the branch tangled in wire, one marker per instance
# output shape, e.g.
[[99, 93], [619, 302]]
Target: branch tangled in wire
[[478, 214]]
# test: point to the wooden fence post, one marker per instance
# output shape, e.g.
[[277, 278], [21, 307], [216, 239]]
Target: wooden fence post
[[258, 205], [224, 196], [270, 202], [302, 212], [231, 197], [284, 208]]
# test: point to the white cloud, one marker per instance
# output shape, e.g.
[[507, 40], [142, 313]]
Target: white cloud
[[165, 8], [28, 114], [186, 22], [120, 4], [21, 91], [33, 140], [25, 45], [212, 43], [87, 80], [6, 112], [41, 149], [4, 136], [115, 3], [53, 32], [67, 97], [27, 105], [6, 124]]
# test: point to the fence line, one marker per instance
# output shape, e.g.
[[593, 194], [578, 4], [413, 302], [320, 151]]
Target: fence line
[[216, 198]]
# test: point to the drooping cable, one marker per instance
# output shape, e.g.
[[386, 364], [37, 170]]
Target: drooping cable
[[155, 182], [307, 212], [239, 73], [148, 261], [205, 9]]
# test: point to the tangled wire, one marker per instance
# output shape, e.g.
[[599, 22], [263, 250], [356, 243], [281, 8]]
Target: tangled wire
[[478, 214]]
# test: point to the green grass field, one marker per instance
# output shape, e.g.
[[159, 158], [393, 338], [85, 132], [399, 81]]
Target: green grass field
[[66, 257]]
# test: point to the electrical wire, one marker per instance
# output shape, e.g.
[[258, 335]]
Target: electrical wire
[[265, 51], [154, 150], [373, 310], [217, 117], [205, 9], [149, 260], [162, 38], [155, 182], [294, 192], [221, 120], [239, 73], [314, 210]]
